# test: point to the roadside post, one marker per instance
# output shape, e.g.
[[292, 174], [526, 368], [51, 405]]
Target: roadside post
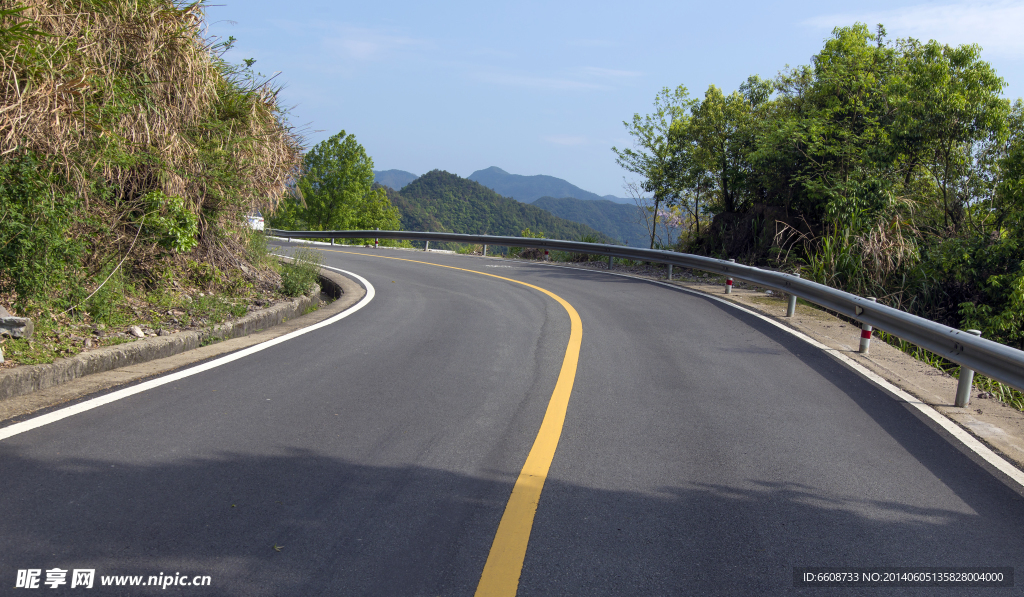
[[728, 281], [791, 309], [375, 242], [963, 387], [865, 333]]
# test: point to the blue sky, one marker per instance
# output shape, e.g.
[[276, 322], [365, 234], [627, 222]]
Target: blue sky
[[543, 87]]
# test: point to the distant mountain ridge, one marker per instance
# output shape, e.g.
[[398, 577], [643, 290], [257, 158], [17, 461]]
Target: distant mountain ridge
[[617, 220], [396, 179], [528, 188], [440, 201], [608, 215]]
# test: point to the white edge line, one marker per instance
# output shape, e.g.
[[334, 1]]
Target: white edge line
[[81, 407], [968, 440]]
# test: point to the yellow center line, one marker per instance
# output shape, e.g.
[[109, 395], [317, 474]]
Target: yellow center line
[[505, 560]]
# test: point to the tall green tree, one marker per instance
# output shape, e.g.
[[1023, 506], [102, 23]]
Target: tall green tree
[[721, 129], [897, 165], [953, 115], [842, 130], [652, 154], [336, 191], [1007, 205]]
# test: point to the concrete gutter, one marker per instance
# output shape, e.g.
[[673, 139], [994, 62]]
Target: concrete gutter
[[30, 379]]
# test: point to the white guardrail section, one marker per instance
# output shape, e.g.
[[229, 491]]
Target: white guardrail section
[[989, 358]]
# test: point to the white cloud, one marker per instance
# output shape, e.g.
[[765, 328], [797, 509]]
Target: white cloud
[[611, 73], [995, 26], [528, 81], [364, 45], [565, 140]]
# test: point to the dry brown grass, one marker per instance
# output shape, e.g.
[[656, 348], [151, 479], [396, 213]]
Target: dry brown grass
[[122, 98], [138, 78]]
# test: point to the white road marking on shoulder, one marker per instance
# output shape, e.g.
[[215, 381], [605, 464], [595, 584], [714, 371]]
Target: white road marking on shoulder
[[81, 407]]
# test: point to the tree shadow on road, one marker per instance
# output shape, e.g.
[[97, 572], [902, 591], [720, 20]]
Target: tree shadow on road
[[350, 529]]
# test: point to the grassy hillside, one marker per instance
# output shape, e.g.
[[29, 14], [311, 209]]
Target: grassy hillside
[[442, 202], [130, 153], [617, 220]]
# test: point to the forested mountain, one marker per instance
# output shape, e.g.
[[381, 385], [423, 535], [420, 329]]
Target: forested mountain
[[617, 220], [442, 202], [396, 179], [528, 188]]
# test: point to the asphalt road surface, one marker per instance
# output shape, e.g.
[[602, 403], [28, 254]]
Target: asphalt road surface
[[703, 452]]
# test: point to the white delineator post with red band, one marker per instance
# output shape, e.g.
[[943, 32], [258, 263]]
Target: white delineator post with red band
[[728, 281], [865, 333]]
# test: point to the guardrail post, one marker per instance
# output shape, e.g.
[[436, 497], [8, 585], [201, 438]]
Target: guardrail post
[[375, 242], [728, 281], [963, 387], [670, 271], [609, 262], [485, 250], [332, 241], [865, 333], [791, 309], [426, 247]]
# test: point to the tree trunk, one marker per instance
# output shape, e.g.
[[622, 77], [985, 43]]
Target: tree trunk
[[654, 220]]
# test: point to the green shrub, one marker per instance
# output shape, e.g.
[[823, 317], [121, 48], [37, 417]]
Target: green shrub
[[170, 222], [298, 277], [38, 251]]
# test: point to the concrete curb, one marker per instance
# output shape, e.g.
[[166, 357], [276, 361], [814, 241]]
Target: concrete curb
[[33, 378]]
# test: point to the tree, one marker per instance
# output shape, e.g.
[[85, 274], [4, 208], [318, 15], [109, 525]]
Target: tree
[[951, 104], [652, 157], [1008, 200], [336, 191], [718, 130], [842, 132]]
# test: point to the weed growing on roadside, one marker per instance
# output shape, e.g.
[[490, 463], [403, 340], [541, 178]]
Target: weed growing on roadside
[[298, 277], [469, 249]]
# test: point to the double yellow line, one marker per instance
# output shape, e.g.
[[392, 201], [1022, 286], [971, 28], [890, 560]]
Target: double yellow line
[[508, 550]]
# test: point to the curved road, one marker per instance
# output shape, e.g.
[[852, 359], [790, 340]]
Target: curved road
[[703, 452]]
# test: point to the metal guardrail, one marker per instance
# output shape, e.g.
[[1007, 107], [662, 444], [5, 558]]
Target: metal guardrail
[[989, 358]]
